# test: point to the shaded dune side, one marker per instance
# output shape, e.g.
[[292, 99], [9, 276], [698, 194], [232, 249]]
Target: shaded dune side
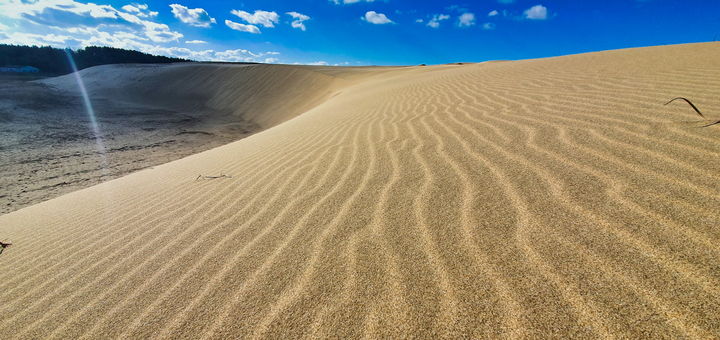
[[265, 95], [146, 115], [552, 197]]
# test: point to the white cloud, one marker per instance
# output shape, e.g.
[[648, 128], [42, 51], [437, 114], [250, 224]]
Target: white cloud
[[21, 38], [17, 9], [346, 2], [319, 63], [67, 23], [466, 20], [436, 19], [376, 18], [299, 21], [59, 16], [92, 36], [493, 13], [488, 26], [242, 27], [420, 21], [141, 10], [537, 12], [264, 18], [197, 17]]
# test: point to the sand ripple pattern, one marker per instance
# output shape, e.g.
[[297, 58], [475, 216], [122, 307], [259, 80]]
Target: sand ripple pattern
[[541, 198]]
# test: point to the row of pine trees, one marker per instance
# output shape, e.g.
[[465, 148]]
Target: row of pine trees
[[51, 60]]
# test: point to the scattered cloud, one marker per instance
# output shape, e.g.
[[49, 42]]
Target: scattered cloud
[[197, 17], [488, 26], [264, 18], [466, 20], [347, 2], [56, 18], [434, 22], [537, 12], [299, 20], [68, 23], [376, 18], [141, 10], [242, 27], [493, 13], [243, 55]]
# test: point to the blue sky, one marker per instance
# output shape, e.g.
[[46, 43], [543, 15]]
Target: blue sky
[[360, 32]]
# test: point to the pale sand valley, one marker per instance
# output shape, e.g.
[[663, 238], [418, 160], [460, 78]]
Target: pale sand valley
[[548, 198]]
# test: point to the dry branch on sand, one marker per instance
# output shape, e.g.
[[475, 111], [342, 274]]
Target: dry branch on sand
[[4, 244], [199, 177], [694, 108]]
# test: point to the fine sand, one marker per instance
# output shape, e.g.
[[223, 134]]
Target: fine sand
[[543, 198], [146, 115]]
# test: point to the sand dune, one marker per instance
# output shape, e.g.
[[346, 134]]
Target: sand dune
[[540, 198], [147, 115]]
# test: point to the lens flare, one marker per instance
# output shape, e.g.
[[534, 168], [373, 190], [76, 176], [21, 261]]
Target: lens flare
[[100, 146]]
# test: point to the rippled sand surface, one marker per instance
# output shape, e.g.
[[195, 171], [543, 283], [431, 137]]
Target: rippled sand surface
[[541, 198]]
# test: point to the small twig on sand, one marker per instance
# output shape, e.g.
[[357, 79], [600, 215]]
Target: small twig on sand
[[4, 244], [199, 177], [694, 108]]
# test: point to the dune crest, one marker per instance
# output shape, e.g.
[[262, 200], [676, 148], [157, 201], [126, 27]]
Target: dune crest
[[554, 197]]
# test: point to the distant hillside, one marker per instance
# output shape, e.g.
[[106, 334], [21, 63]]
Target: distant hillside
[[54, 60]]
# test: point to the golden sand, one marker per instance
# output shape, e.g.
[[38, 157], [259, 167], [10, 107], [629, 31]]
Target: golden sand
[[540, 198]]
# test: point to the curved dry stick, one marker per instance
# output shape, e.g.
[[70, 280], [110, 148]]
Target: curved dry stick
[[211, 177], [711, 124], [691, 104]]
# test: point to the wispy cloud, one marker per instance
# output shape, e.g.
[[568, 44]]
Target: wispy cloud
[[299, 20], [264, 18], [242, 27], [347, 2], [141, 10], [434, 22]]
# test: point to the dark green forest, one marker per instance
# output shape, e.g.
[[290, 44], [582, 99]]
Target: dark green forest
[[52, 60]]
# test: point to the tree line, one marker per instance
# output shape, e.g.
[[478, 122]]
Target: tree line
[[53, 60]]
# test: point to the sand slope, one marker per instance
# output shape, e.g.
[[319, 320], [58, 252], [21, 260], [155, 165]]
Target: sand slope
[[146, 114], [553, 198], [262, 94]]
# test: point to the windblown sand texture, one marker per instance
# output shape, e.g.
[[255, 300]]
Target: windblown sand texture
[[147, 115], [540, 198]]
